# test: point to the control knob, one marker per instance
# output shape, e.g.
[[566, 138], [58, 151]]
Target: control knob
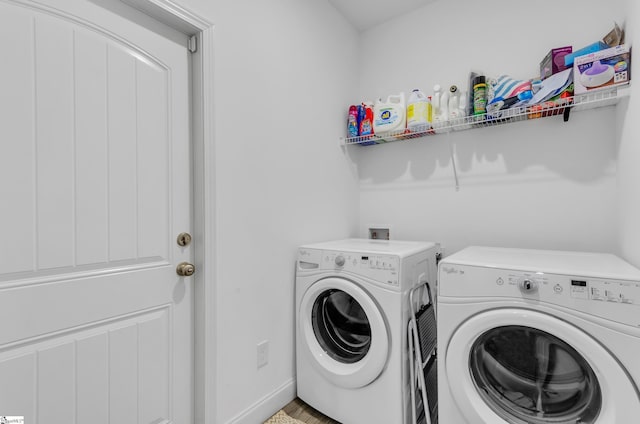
[[340, 260], [528, 286]]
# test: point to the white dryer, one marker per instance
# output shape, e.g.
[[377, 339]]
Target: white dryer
[[352, 312], [538, 337]]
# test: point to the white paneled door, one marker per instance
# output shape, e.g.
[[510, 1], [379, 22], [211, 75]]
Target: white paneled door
[[96, 326]]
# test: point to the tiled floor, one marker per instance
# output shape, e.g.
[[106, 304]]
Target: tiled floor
[[301, 411]]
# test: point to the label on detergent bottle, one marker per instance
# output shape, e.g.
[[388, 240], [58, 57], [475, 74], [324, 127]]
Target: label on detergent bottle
[[387, 116], [417, 114]]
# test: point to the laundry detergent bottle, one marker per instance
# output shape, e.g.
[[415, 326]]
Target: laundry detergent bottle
[[390, 115], [417, 111], [352, 121]]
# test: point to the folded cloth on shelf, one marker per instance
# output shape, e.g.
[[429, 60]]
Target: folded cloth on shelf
[[505, 87], [553, 86], [506, 92]]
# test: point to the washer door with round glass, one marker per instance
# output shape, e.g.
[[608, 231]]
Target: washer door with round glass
[[344, 332], [520, 366]]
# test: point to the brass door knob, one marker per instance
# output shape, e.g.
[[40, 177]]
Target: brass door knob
[[185, 269]]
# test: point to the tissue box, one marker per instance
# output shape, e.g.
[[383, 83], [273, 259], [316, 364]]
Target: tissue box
[[591, 48], [553, 62], [602, 69]]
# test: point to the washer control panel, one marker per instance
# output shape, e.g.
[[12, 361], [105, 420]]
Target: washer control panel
[[593, 289], [605, 290], [616, 300], [612, 295]]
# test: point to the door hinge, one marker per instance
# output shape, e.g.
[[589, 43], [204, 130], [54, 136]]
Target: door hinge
[[193, 44]]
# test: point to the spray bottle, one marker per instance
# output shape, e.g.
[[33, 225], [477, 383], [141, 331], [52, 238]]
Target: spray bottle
[[462, 110], [454, 102], [436, 103], [444, 106], [462, 104]]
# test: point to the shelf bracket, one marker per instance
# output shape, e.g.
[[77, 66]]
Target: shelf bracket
[[566, 113]]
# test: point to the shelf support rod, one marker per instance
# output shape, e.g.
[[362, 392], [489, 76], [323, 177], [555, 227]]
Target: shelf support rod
[[453, 161]]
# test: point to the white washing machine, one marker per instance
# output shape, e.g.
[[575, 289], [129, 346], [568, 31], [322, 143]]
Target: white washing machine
[[538, 337], [352, 312]]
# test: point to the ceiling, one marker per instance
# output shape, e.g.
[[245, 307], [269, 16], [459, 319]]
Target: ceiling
[[365, 14]]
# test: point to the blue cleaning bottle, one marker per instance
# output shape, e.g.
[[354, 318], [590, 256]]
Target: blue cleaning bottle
[[361, 116]]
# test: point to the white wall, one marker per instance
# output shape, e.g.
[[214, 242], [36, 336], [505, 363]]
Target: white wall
[[538, 184], [283, 75], [629, 157]]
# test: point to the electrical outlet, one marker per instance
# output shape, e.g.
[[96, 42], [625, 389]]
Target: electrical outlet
[[263, 353]]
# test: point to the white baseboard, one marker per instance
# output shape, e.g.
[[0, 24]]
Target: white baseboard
[[263, 409]]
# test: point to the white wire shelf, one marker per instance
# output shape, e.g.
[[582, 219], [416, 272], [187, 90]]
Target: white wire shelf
[[562, 107]]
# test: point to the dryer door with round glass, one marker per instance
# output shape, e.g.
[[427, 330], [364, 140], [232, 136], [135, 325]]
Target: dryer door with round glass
[[520, 366], [344, 332]]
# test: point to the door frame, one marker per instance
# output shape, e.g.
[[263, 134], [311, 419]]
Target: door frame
[[204, 195]]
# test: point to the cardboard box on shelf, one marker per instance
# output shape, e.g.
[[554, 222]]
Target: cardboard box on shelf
[[602, 69], [553, 62], [615, 37]]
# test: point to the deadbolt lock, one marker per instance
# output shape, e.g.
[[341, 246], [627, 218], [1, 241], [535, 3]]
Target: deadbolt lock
[[184, 239], [185, 269]]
